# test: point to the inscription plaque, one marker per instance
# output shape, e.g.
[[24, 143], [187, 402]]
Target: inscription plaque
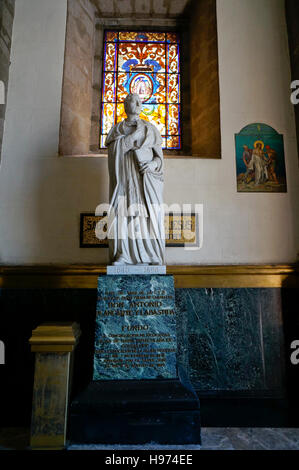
[[135, 334], [181, 230]]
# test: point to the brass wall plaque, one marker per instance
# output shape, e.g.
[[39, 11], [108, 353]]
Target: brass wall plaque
[[180, 230]]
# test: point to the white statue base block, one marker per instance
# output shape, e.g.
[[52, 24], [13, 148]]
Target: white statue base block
[[135, 269]]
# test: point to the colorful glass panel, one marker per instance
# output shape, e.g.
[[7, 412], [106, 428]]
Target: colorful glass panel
[[111, 36], [173, 115], [172, 37], [138, 36], [173, 88], [108, 117], [147, 63], [110, 57], [172, 58], [109, 87]]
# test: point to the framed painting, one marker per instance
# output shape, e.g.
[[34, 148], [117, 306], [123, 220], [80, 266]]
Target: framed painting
[[260, 160]]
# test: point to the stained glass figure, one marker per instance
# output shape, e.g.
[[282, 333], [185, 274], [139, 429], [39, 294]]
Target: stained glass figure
[[147, 63]]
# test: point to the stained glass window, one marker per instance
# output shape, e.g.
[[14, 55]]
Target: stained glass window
[[147, 63]]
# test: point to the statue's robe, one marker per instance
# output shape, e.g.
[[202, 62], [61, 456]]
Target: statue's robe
[[136, 217]]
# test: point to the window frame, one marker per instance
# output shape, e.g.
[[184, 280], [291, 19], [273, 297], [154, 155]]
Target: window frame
[[200, 100], [165, 25]]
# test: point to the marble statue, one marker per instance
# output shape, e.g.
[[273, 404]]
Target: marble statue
[[135, 161]]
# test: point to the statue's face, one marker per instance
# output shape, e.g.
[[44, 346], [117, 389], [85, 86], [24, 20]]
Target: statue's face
[[133, 104]]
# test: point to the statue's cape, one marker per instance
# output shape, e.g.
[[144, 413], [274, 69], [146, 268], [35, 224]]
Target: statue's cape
[[125, 178], [119, 157]]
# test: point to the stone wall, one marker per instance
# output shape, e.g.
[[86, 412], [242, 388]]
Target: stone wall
[[80, 115], [205, 101], [7, 8], [77, 85], [42, 195]]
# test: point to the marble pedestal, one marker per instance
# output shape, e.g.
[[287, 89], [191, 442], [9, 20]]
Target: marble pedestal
[[135, 336], [135, 412], [53, 345], [136, 396], [135, 269]]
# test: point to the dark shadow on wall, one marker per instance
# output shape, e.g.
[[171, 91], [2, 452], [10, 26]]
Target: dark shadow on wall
[[292, 15], [290, 310], [22, 311]]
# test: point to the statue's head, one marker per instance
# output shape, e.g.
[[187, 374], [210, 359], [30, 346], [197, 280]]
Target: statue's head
[[133, 104]]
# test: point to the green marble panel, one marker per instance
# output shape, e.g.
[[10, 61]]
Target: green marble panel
[[135, 336]]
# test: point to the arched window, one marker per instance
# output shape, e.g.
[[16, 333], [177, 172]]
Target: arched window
[[146, 63], [174, 68]]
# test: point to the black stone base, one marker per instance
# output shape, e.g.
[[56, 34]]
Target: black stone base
[[135, 412]]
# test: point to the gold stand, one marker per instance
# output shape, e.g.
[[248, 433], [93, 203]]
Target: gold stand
[[53, 344]]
